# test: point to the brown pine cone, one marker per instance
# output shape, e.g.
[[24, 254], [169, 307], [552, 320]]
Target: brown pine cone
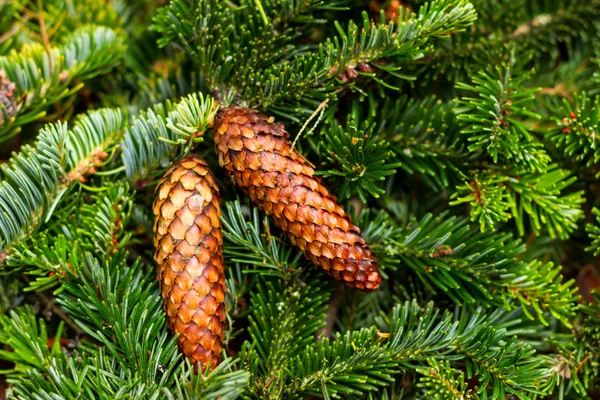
[[188, 242], [256, 152], [7, 96]]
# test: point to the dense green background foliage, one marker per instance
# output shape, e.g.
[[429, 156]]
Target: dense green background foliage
[[461, 135]]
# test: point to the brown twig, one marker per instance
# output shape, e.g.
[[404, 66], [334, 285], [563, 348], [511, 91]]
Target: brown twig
[[43, 30]]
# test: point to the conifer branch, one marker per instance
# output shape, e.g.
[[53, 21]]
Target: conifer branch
[[282, 324], [315, 76], [45, 76], [466, 309], [359, 158], [253, 246], [362, 361], [477, 268], [96, 227], [7, 26], [152, 137], [29, 340], [104, 294], [76, 153], [576, 129], [440, 380], [498, 195], [39, 176], [577, 363], [424, 137], [594, 233], [495, 119], [535, 29], [296, 84]]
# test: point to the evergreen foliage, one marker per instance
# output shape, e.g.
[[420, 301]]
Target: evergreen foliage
[[459, 134], [43, 76]]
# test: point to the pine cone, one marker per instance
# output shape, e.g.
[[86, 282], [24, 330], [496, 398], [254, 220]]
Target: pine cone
[[256, 152], [188, 241], [7, 93]]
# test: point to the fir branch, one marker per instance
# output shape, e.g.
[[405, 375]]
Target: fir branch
[[441, 381], [45, 257], [204, 30], [103, 294], [102, 222], [43, 174], [76, 153], [541, 197], [152, 137], [29, 340], [96, 376], [253, 246], [8, 27], [363, 360], [520, 333], [576, 367], [487, 195], [540, 28], [97, 227], [594, 233], [36, 174], [226, 382], [10, 293], [575, 130], [45, 76], [480, 269], [494, 120], [119, 308], [68, 378], [496, 195], [226, 43], [282, 13], [282, 324], [359, 157], [563, 22], [349, 365], [312, 77], [424, 137], [104, 301], [295, 84], [46, 371], [53, 21]]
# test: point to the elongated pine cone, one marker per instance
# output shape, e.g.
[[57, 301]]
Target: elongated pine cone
[[257, 153], [188, 242]]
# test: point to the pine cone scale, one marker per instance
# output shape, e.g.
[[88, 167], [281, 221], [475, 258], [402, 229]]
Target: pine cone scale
[[189, 255], [258, 156]]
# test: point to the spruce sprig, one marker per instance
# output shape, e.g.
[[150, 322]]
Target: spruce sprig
[[360, 158], [45, 76], [481, 269]]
